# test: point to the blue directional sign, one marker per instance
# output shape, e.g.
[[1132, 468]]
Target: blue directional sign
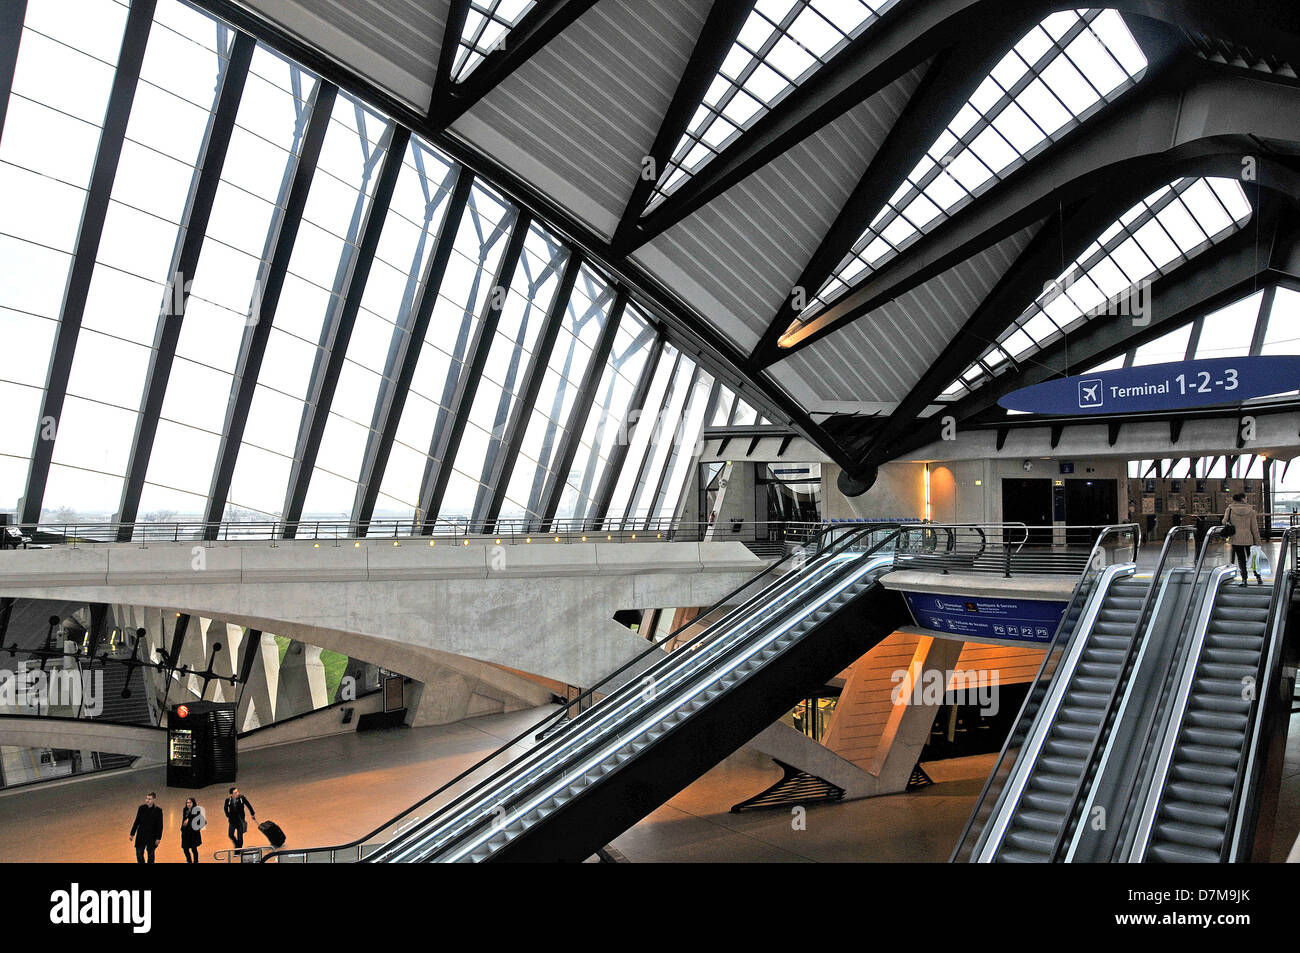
[[1218, 380], [1017, 620]]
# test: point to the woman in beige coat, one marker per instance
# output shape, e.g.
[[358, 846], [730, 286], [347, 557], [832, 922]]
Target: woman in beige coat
[[1242, 515]]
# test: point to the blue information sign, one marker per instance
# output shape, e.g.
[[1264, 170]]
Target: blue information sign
[[1019, 620], [1219, 380]]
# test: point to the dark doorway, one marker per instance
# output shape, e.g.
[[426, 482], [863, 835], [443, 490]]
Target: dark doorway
[[1090, 503], [1028, 502]]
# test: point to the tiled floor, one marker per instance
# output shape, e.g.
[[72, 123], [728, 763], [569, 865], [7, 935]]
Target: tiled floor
[[334, 789]]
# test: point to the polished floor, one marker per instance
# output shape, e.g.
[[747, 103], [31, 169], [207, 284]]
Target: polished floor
[[331, 790]]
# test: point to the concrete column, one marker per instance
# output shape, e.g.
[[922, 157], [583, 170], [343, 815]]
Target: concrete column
[[257, 699], [909, 724]]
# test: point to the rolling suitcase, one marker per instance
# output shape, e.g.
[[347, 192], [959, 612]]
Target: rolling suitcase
[[271, 831]]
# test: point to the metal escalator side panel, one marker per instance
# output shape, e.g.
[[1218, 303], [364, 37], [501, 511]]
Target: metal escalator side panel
[[605, 716], [1012, 793], [1165, 603], [607, 708], [662, 708], [1242, 831], [1173, 725]]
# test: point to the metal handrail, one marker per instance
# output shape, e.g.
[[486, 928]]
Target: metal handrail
[[1076, 600], [512, 531], [589, 694], [731, 653], [1121, 682], [1269, 661]]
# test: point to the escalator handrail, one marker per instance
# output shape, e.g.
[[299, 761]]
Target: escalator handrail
[[670, 665], [1171, 694], [612, 708], [1117, 690], [836, 547], [690, 686], [1270, 660], [1076, 597]]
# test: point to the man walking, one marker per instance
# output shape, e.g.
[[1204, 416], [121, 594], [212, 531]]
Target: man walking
[[236, 804], [147, 829]]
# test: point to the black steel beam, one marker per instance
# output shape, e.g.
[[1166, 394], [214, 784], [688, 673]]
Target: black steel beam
[[392, 398], [1024, 281], [185, 264], [951, 80], [1214, 278], [1112, 432], [12, 15], [908, 34], [1175, 430], [135, 37], [338, 329], [549, 500], [271, 283], [1195, 118], [457, 12], [504, 453], [785, 445], [446, 440], [538, 27], [721, 27], [618, 456]]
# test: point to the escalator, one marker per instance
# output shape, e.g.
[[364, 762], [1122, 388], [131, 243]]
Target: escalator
[[1164, 706], [580, 786], [1194, 812], [1036, 824]]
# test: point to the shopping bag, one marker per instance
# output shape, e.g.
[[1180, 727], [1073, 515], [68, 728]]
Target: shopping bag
[[1259, 563]]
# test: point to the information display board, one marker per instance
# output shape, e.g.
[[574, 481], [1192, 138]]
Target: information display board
[[1019, 620]]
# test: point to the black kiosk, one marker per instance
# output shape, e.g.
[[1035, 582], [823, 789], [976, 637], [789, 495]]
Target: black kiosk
[[200, 744]]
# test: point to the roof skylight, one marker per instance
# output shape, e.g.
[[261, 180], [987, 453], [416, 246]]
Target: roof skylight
[[1154, 237], [782, 43], [486, 26], [1054, 79]]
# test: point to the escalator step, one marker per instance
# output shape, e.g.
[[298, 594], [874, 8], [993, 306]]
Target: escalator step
[[1191, 792], [1213, 737], [1223, 721], [1071, 732], [1066, 747], [1220, 704], [1194, 813], [1218, 687], [1181, 854], [1053, 784], [1032, 841], [1201, 754], [1204, 774], [1189, 835], [1047, 802], [1006, 856], [1230, 656], [1038, 821], [1227, 671], [1239, 643]]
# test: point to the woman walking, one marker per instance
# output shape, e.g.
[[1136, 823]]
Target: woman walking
[[193, 820], [1245, 522]]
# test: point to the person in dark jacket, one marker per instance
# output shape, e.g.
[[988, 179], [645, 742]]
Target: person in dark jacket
[[236, 805], [147, 830], [193, 820]]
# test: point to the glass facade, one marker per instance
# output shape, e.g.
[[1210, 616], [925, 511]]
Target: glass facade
[[357, 436]]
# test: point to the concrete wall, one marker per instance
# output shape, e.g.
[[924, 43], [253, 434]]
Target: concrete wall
[[899, 491]]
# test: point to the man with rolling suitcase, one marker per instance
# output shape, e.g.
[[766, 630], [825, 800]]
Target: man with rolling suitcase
[[236, 805]]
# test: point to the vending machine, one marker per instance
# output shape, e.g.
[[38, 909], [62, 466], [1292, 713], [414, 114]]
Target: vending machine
[[201, 744]]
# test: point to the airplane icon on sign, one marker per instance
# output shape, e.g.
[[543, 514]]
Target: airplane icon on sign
[[1090, 393]]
